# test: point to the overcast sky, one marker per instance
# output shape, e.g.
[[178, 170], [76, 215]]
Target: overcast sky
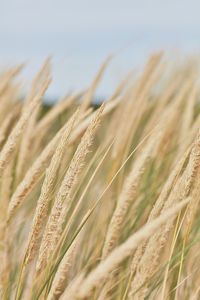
[[80, 34]]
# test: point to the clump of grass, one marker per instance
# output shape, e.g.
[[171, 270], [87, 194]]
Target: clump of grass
[[101, 203]]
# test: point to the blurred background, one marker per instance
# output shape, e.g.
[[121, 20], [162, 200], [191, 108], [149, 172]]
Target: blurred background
[[81, 34]]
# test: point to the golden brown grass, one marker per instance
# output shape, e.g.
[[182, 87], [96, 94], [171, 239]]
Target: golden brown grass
[[101, 204]]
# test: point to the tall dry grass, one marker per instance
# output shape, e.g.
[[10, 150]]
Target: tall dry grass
[[102, 203]]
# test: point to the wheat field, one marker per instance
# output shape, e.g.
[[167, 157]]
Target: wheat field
[[102, 202]]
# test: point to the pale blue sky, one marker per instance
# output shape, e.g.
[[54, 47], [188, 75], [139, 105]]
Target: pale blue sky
[[80, 34]]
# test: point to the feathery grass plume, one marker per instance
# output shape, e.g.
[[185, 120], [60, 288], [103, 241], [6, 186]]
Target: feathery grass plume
[[167, 188], [121, 87], [137, 102], [188, 114], [193, 184], [119, 92], [10, 100], [71, 290], [122, 112], [60, 279], [110, 106], [33, 175], [5, 192], [190, 137], [170, 120], [7, 77], [63, 197], [14, 137], [119, 254], [73, 215], [77, 207], [36, 171], [50, 119], [47, 190], [128, 194], [150, 259], [5, 188], [41, 77], [87, 99], [39, 86], [193, 165], [8, 123], [54, 112], [164, 98]]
